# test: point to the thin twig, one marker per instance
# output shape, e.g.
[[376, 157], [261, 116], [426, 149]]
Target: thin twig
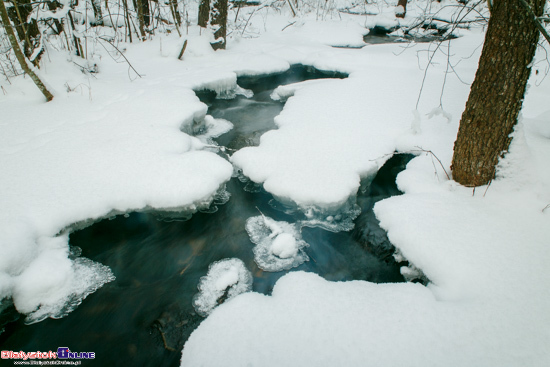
[[453, 28], [164, 339], [251, 14], [433, 155], [490, 182], [121, 54], [420, 149]]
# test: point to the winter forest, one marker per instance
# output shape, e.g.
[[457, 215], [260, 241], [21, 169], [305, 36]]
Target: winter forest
[[275, 182]]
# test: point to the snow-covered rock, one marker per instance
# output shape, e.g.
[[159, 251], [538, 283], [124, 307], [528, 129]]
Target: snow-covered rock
[[279, 245], [225, 279]]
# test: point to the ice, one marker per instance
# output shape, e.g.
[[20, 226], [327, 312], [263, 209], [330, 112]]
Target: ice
[[109, 144], [330, 219], [211, 128], [234, 92], [335, 218], [113, 148], [53, 285], [222, 86], [279, 245], [284, 92], [225, 279]]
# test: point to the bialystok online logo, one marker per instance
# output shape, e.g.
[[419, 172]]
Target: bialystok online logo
[[62, 353]]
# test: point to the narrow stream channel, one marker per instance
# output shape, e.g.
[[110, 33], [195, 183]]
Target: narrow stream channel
[[145, 316]]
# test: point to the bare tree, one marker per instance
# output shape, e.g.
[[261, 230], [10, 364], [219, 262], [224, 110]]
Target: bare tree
[[496, 95], [26, 28], [214, 15], [401, 9], [19, 54]]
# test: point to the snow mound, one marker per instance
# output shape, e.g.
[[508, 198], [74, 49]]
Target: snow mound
[[279, 245], [78, 159], [330, 33], [53, 285], [317, 157], [225, 279]]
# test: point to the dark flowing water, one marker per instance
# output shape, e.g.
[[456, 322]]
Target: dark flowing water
[[380, 35], [145, 316]]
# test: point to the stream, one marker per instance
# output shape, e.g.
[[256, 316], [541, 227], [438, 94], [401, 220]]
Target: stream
[[145, 316]]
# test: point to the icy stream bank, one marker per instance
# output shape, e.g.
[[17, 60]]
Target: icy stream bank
[[142, 312]]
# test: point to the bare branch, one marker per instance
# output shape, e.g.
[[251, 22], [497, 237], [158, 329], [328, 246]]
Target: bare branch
[[120, 52]]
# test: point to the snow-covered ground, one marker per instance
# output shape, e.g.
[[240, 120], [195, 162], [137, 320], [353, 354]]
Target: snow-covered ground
[[110, 144]]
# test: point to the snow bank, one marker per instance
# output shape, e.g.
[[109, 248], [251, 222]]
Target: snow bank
[[102, 146], [485, 252], [284, 92], [486, 255]]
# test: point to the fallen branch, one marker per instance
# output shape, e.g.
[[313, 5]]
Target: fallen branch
[[288, 25], [164, 339], [182, 50]]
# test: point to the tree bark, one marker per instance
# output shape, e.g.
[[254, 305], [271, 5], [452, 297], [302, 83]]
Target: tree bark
[[496, 95], [98, 14], [214, 16], [219, 23], [19, 54], [53, 6], [175, 13], [26, 30], [204, 13], [399, 13], [127, 19]]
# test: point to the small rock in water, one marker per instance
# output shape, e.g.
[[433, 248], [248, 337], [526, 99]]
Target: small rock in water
[[279, 245], [284, 246], [225, 279]]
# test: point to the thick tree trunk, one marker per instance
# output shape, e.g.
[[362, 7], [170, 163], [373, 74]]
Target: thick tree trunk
[[496, 96], [219, 23], [19, 54], [216, 17], [76, 40], [204, 13], [142, 10], [400, 13], [98, 14]]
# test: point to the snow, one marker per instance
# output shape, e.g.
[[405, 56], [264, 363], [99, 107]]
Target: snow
[[284, 246], [279, 245], [485, 253], [284, 92], [107, 145], [227, 277], [101, 147]]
